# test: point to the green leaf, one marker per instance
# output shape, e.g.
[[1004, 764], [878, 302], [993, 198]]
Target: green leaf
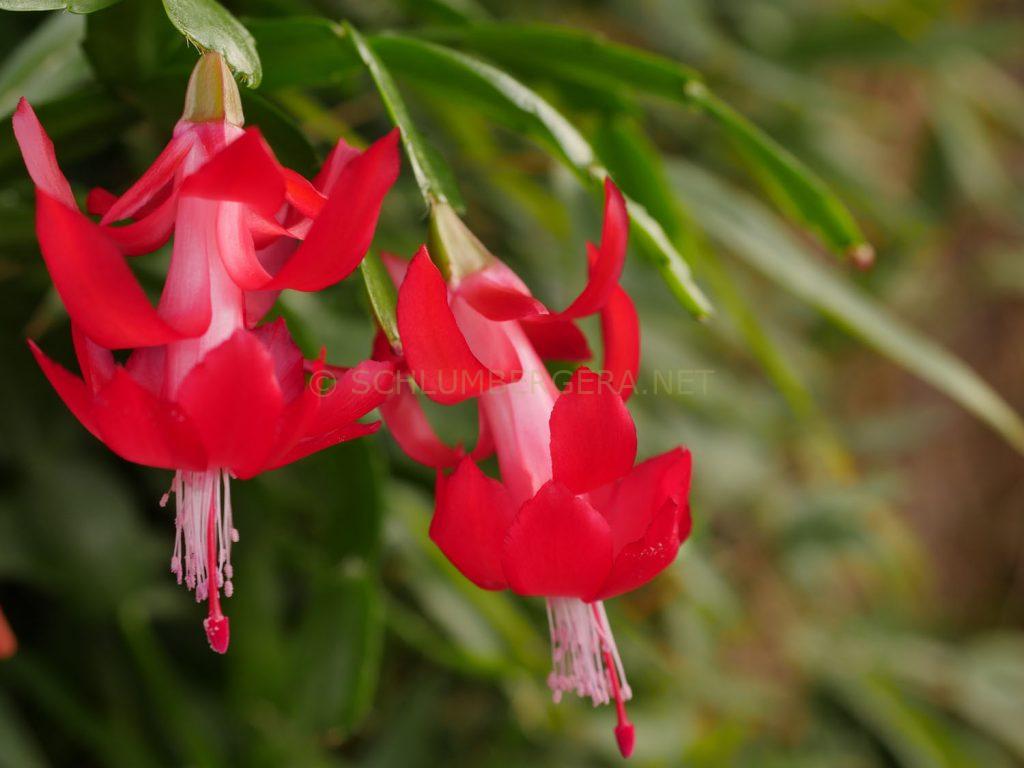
[[132, 43], [583, 54], [45, 65], [166, 686], [798, 191], [381, 293], [209, 26], [32, 5], [446, 11], [307, 52], [434, 179], [75, 6], [916, 737], [338, 652], [753, 234], [578, 55], [638, 167], [470, 80]]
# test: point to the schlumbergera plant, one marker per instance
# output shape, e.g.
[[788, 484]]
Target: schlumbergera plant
[[210, 392], [571, 519], [408, 574], [207, 390]]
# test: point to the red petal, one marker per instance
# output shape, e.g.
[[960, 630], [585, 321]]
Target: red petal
[[558, 546], [642, 560], [411, 429], [593, 439], [237, 249], [258, 303], [620, 328], [489, 341], [98, 289], [234, 400], [556, 339], [471, 517], [438, 355], [72, 390], [351, 396], [40, 159], [245, 172], [145, 429], [630, 503], [497, 293], [148, 233], [186, 298], [288, 360], [302, 195], [153, 181], [95, 362], [147, 365], [607, 261], [266, 231], [308, 446], [99, 201], [341, 234], [354, 394], [340, 156]]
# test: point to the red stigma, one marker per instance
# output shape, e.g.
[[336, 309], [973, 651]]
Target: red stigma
[[218, 629]]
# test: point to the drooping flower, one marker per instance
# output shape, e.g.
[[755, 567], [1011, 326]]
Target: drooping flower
[[206, 390], [571, 519], [8, 642]]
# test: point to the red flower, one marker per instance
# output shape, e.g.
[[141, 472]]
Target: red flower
[[8, 642], [572, 519], [207, 391]]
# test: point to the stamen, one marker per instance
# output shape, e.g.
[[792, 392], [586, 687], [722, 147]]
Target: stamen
[[585, 660], [204, 532]]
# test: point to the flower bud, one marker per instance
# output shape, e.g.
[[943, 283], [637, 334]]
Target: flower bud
[[212, 93]]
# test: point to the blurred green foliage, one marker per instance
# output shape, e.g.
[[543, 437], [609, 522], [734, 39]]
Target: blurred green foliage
[[852, 593]]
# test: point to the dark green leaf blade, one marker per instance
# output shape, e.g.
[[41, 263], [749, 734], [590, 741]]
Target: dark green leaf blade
[[75, 6], [578, 55], [211, 27], [46, 64], [754, 235], [338, 652], [508, 100], [381, 293], [434, 181], [568, 50], [799, 191], [300, 51], [32, 5]]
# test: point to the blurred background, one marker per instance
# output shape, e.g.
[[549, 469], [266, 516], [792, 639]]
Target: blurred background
[[853, 594]]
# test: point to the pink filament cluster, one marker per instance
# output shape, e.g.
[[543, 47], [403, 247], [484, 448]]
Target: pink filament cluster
[[204, 533], [580, 642]]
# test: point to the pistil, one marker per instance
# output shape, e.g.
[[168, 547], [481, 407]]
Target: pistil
[[625, 734]]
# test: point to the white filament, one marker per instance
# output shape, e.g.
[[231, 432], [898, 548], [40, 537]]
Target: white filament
[[195, 495], [580, 637]]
